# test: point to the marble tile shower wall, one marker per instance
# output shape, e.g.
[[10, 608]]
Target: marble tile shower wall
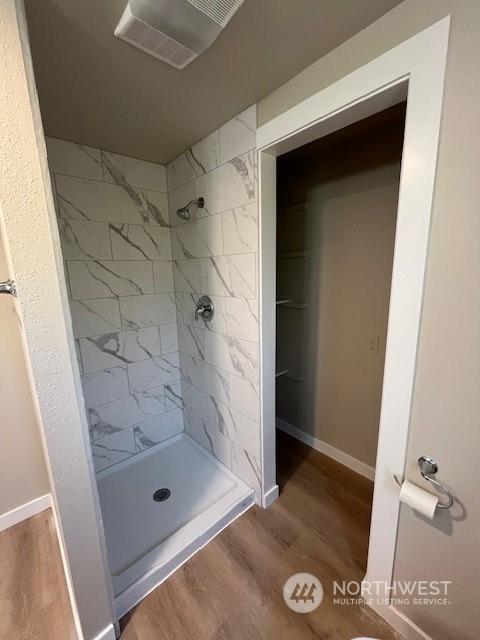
[[115, 235], [216, 253]]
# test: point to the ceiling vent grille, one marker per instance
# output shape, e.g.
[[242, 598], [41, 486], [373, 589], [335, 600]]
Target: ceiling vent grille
[[175, 31], [219, 10]]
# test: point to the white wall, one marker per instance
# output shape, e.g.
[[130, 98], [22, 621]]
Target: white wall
[[216, 253], [446, 407], [114, 229], [23, 474]]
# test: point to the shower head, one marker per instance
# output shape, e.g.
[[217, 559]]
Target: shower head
[[184, 212]]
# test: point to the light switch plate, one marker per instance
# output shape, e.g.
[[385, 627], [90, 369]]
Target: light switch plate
[[374, 345]]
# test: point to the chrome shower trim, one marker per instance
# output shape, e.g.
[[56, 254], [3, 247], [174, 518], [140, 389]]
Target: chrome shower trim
[[184, 212]]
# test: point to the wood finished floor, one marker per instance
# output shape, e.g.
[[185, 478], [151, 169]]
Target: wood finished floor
[[232, 589], [34, 603]]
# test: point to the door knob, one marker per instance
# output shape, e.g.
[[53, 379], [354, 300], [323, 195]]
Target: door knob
[[8, 287]]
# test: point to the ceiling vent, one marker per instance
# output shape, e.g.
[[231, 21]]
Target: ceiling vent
[[175, 31]]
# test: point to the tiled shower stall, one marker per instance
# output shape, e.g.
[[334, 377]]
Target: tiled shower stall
[[135, 272]]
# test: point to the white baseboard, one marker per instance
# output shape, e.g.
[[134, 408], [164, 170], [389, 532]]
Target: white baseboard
[[25, 511], [408, 629], [107, 634], [327, 449], [270, 496]]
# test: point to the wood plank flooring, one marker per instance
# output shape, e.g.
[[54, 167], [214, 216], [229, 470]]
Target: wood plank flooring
[[232, 589], [34, 603]]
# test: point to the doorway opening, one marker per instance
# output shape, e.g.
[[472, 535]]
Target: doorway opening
[[337, 201]]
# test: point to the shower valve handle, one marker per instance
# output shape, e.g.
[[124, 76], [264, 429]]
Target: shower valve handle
[[204, 308]]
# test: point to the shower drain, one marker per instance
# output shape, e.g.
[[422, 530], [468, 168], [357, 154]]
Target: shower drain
[[161, 495]]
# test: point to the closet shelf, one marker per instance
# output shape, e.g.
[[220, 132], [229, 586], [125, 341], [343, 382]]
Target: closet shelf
[[287, 255], [295, 377], [288, 373], [289, 304]]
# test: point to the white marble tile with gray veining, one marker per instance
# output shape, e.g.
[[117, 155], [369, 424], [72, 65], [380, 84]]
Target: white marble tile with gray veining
[[234, 425], [173, 395], [112, 449], [125, 412], [185, 168], [153, 372], [94, 317], [156, 205], [242, 318], [102, 279], [163, 276], [105, 386], [206, 153], [191, 341], [244, 396], [169, 337], [242, 275], [198, 239], [232, 354], [71, 159], [194, 399], [84, 240], [81, 199], [136, 173], [140, 242], [187, 304], [187, 277], [205, 377], [156, 430], [231, 185], [147, 310], [198, 426], [229, 275], [247, 467], [238, 135], [240, 229], [214, 276], [119, 348], [212, 440]]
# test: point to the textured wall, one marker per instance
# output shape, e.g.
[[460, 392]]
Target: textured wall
[[114, 229], [216, 253]]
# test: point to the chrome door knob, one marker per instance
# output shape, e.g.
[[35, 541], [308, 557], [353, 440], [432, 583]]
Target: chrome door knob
[[8, 287]]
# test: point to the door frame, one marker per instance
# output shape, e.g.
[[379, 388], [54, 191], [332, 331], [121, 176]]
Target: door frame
[[415, 71]]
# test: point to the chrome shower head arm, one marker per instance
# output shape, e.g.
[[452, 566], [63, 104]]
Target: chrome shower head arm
[[184, 212]]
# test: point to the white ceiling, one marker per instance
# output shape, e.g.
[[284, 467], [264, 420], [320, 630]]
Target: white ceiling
[[98, 90]]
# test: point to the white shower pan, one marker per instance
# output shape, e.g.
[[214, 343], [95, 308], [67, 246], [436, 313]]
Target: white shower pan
[[148, 540]]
